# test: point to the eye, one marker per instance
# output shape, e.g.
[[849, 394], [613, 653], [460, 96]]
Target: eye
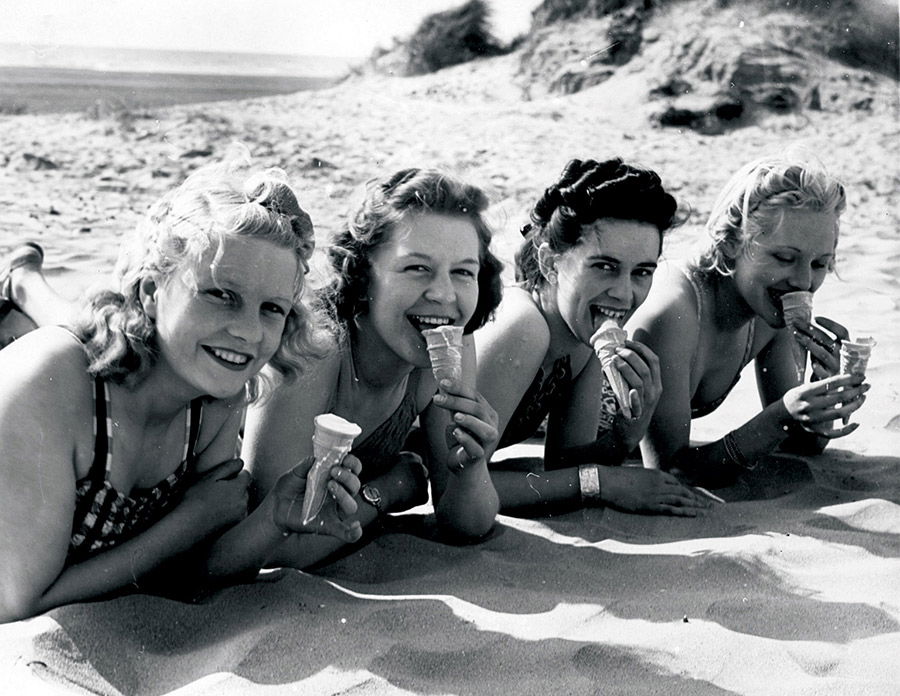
[[465, 273], [644, 272], [416, 268], [273, 308], [224, 296], [604, 266], [783, 258], [820, 265]]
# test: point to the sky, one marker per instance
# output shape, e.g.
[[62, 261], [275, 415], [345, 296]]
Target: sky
[[304, 27]]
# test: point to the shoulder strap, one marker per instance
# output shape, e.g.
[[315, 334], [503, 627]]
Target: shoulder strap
[[102, 447], [196, 419]]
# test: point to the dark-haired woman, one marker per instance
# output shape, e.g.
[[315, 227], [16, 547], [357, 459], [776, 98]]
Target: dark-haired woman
[[413, 255], [589, 255]]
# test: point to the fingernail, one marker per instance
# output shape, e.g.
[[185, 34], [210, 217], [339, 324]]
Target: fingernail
[[439, 398], [446, 382], [458, 417]]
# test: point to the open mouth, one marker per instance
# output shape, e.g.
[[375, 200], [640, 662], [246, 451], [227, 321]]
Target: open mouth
[[422, 322], [228, 358], [600, 314]]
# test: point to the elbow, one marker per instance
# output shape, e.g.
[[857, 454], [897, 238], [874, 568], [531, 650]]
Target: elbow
[[16, 606], [470, 525]]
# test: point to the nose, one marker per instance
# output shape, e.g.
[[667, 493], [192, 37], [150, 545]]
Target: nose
[[801, 277], [621, 289], [441, 289], [246, 325]]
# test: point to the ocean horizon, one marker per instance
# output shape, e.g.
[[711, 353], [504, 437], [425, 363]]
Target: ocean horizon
[[54, 79], [141, 60]]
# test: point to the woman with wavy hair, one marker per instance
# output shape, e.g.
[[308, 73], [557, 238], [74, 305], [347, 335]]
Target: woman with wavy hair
[[413, 255], [588, 258], [118, 434], [774, 231]]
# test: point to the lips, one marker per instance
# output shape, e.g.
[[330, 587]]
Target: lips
[[229, 359]]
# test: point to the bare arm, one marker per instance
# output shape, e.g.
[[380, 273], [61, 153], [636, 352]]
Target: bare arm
[[465, 500], [45, 431]]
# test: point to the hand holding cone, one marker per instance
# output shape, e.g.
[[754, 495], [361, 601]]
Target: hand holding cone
[[605, 341], [332, 439]]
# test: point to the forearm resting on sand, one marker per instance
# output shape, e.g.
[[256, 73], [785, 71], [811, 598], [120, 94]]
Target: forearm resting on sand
[[609, 450], [719, 463], [108, 571]]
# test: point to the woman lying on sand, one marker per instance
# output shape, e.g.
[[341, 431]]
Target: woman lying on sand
[[775, 231], [117, 437], [413, 256], [589, 255]]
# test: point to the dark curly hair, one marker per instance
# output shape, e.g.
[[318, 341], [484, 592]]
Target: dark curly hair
[[385, 204], [586, 192]]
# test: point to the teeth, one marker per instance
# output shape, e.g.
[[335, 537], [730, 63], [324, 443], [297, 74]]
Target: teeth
[[230, 356], [430, 321], [611, 313]]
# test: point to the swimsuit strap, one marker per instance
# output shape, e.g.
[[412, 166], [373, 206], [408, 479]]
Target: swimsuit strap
[[192, 428], [97, 474]]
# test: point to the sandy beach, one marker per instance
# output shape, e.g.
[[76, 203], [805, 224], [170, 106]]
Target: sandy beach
[[789, 587]]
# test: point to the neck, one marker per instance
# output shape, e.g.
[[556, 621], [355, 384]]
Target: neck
[[730, 311], [158, 398], [562, 340], [381, 369]]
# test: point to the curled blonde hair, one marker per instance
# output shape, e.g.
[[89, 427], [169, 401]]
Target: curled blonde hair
[[224, 199], [755, 199]]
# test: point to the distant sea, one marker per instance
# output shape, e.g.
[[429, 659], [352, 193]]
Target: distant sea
[[46, 79]]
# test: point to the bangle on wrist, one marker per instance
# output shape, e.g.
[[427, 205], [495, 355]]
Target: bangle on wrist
[[735, 455], [589, 483]]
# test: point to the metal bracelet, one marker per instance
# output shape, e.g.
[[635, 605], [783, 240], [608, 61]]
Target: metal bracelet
[[733, 452], [589, 483]]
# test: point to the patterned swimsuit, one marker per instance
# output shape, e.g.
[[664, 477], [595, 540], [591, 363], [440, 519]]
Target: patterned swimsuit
[[542, 393], [104, 517]]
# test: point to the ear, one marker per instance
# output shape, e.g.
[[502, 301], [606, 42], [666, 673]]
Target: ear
[[147, 293], [547, 262]]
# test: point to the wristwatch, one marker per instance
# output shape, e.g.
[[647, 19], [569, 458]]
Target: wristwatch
[[372, 496]]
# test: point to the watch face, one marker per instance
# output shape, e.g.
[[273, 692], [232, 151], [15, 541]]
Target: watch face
[[372, 496]]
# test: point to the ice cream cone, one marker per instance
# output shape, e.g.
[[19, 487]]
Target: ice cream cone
[[332, 439], [796, 307], [605, 341], [445, 351], [855, 355], [855, 358]]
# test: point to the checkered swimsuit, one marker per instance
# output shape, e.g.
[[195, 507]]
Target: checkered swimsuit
[[105, 517]]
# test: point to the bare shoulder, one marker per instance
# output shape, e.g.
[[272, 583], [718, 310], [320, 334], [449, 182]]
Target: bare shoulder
[[518, 327], [47, 363], [308, 394], [44, 388], [670, 311]]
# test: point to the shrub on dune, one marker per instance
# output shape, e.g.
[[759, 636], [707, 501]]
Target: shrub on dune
[[451, 37]]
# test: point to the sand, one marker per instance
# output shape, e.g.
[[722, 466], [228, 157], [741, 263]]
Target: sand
[[788, 588]]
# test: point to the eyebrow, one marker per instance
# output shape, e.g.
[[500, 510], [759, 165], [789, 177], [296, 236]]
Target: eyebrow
[[426, 257], [235, 283], [613, 259], [800, 251]]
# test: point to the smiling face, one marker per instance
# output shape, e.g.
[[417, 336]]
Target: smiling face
[[217, 326], [424, 275], [795, 256], [606, 275]]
